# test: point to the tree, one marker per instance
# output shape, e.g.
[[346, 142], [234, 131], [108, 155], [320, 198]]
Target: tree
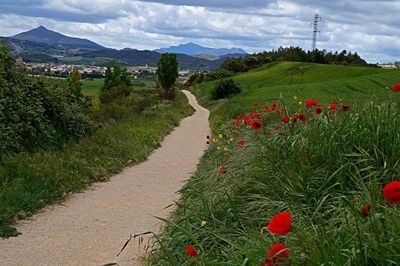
[[7, 64], [74, 82], [115, 76], [167, 73]]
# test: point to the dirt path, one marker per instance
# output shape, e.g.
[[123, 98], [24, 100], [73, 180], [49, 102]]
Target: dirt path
[[90, 228]]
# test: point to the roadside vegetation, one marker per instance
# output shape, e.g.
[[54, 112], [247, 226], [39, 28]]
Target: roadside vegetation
[[303, 168], [54, 142]]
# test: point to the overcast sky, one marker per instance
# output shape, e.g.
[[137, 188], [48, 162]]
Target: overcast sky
[[372, 28]]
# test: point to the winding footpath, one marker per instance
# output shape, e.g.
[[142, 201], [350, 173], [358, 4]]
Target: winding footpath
[[91, 228]]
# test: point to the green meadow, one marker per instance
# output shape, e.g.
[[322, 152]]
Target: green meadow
[[323, 172]]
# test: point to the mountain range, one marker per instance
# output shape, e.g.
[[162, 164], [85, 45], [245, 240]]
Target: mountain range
[[195, 49], [42, 45]]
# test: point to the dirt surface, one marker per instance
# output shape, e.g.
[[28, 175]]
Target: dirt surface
[[90, 228]]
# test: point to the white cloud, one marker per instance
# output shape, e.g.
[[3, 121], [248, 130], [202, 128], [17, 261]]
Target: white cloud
[[368, 27]]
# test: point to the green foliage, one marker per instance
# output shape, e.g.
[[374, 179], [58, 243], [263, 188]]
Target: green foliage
[[243, 64], [123, 102], [167, 74], [28, 182], [224, 89], [115, 76], [35, 114]]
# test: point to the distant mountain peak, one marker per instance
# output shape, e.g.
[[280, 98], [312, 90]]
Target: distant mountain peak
[[42, 34], [196, 49]]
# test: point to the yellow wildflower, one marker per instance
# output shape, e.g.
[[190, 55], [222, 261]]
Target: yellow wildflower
[[220, 136], [203, 223], [218, 147], [295, 98]]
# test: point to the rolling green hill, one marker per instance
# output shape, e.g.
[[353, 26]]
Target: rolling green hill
[[330, 172], [307, 81]]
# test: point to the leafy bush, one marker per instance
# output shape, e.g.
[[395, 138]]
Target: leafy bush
[[114, 94], [224, 89], [36, 114]]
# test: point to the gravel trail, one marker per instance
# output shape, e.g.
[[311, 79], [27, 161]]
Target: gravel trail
[[90, 228]]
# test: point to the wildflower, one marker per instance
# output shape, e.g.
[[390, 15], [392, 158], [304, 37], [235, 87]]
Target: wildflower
[[255, 104], [318, 110], [231, 139], [311, 103], [256, 125], [294, 118], [302, 117], [226, 158], [203, 223], [214, 140], [300, 103], [285, 119], [396, 87], [222, 170], [295, 98], [365, 210], [345, 107], [278, 251], [225, 149], [280, 223], [191, 251], [220, 136], [332, 106], [391, 192], [273, 106], [240, 143]]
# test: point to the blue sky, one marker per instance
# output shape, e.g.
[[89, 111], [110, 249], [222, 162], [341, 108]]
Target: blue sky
[[372, 28]]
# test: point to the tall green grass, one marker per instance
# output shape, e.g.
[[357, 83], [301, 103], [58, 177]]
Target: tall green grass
[[28, 182], [322, 172]]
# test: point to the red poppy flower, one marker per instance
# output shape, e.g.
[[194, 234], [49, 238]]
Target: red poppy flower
[[332, 106], [240, 143], [191, 251], [273, 106], [256, 125], [265, 263], [222, 170], [278, 251], [391, 192], [365, 210], [396, 87], [311, 103], [294, 118], [318, 110], [266, 107], [345, 107], [280, 223], [285, 119], [302, 117], [255, 104]]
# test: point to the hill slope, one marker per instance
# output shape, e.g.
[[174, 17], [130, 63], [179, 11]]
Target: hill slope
[[325, 82], [44, 35]]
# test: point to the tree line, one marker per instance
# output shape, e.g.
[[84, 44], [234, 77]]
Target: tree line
[[243, 64]]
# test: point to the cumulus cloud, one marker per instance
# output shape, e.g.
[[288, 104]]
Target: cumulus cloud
[[367, 26]]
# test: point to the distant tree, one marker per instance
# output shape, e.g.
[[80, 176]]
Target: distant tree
[[115, 76], [167, 73], [397, 64], [74, 82]]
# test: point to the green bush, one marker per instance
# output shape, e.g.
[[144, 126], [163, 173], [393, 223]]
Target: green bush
[[108, 96], [36, 114], [224, 89]]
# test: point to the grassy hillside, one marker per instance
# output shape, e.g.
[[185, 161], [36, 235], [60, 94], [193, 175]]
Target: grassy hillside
[[306, 81], [328, 172]]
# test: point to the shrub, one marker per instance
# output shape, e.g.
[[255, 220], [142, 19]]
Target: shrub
[[115, 93], [224, 89]]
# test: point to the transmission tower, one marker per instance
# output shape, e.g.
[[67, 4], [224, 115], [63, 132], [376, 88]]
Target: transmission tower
[[315, 25]]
